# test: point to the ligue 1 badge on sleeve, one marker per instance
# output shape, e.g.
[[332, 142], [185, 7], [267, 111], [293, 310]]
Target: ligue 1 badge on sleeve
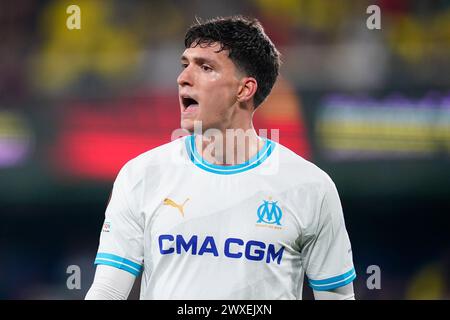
[[106, 227]]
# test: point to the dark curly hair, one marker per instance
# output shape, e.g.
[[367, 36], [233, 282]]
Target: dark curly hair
[[248, 47]]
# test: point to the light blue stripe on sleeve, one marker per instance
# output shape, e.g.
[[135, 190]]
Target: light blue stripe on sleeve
[[333, 282], [118, 259], [117, 265]]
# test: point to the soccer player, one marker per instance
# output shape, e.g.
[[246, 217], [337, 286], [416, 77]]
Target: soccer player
[[205, 217]]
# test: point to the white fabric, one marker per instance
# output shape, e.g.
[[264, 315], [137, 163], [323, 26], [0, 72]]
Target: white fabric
[[114, 284], [110, 284], [251, 231], [341, 293]]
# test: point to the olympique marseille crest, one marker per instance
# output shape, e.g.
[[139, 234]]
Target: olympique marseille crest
[[269, 214]]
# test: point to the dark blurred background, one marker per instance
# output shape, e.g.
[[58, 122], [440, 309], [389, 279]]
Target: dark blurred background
[[370, 107]]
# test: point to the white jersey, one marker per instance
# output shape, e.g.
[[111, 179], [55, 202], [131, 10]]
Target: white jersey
[[203, 231]]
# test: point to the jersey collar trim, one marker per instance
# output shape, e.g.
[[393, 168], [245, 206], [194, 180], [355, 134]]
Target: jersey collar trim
[[255, 161]]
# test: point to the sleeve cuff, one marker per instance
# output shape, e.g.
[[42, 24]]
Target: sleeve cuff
[[118, 262], [333, 282]]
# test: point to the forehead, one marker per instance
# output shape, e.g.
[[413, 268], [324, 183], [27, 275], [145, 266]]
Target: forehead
[[207, 52]]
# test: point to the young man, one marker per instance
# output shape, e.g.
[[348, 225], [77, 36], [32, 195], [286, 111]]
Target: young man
[[206, 217]]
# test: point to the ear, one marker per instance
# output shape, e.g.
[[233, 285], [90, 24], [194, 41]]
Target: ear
[[247, 89]]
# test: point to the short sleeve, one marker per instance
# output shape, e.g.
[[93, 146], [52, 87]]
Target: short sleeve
[[327, 255], [121, 238]]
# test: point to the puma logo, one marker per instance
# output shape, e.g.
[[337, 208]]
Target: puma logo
[[180, 207]]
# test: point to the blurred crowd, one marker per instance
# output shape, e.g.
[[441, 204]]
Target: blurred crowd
[[127, 45]]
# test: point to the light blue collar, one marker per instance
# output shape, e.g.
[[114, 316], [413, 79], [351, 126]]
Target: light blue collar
[[255, 161]]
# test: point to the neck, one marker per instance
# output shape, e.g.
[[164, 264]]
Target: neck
[[229, 146]]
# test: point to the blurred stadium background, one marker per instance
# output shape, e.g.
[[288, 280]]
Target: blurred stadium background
[[370, 107]]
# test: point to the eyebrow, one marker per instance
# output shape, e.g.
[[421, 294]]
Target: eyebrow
[[198, 60]]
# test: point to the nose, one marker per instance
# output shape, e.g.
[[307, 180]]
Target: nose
[[185, 77]]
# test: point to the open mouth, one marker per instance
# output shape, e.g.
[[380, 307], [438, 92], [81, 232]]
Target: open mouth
[[189, 103]]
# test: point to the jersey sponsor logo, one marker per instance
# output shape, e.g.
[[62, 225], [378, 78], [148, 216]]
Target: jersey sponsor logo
[[233, 248], [269, 213], [180, 207]]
